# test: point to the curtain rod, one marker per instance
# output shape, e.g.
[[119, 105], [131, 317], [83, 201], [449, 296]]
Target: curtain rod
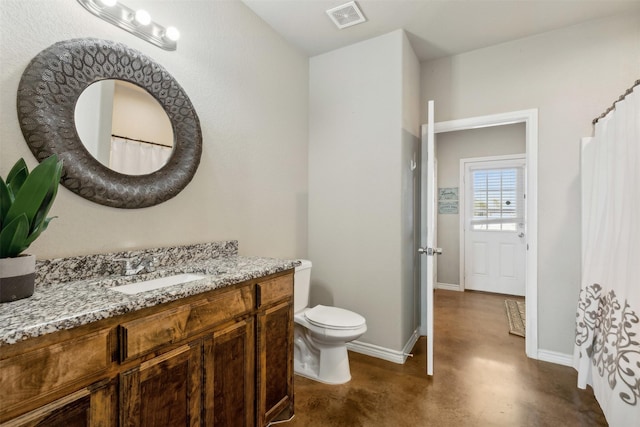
[[613, 106], [141, 140]]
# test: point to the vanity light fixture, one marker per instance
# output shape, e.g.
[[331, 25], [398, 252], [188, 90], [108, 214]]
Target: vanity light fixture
[[142, 17], [136, 22], [172, 33]]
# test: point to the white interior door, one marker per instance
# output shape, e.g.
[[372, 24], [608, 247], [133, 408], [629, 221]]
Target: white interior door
[[495, 246], [428, 244]]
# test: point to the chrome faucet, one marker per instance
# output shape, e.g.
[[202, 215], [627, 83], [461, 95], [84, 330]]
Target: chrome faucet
[[131, 266]]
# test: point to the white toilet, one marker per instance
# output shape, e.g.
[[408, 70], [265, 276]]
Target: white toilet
[[321, 334]]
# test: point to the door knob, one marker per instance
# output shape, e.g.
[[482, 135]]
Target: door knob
[[521, 234], [430, 251]]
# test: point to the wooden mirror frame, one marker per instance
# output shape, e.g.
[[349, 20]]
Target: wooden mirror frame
[[47, 96]]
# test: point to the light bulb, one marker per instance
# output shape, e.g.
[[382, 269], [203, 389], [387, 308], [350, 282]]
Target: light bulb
[[108, 3], [172, 33], [142, 17]]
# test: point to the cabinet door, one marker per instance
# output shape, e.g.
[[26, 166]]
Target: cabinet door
[[164, 391], [34, 378], [275, 362], [229, 356], [93, 406]]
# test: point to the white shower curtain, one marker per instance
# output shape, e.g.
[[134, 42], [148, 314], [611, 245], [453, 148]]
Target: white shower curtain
[[607, 347], [135, 157]]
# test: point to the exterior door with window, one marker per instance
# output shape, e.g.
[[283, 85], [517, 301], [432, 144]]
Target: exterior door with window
[[494, 224]]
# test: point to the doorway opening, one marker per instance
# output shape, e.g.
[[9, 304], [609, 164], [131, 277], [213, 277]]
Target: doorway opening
[[530, 120]]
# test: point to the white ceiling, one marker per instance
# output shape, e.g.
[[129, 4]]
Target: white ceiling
[[436, 28]]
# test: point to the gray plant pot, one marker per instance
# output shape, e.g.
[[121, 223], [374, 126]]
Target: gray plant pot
[[17, 277]]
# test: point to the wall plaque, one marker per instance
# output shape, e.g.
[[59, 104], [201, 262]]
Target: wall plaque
[[448, 200]]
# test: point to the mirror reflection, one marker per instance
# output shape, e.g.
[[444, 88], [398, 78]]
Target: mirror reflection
[[124, 127]]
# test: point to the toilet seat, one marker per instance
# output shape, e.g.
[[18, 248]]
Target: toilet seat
[[333, 318]]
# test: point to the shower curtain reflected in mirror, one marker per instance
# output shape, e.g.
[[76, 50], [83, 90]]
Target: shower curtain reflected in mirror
[[607, 347], [132, 157]]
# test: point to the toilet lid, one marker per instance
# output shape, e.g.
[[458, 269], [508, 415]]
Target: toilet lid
[[334, 317]]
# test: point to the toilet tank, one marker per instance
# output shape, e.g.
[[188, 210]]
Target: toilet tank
[[301, 285]]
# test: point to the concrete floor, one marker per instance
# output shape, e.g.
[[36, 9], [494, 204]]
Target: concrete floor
[[482, 378]]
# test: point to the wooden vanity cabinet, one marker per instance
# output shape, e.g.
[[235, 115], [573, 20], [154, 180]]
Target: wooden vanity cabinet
[[222, 358], [275, 349], [94, 405], [207, 382], [59, 379], [164, 391], [229, 376]]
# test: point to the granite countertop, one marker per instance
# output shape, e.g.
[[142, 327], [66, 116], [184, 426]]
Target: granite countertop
[[64, 305]]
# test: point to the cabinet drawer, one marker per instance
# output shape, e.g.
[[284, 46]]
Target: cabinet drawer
[[141, 336], [42, 372], [276, 289]]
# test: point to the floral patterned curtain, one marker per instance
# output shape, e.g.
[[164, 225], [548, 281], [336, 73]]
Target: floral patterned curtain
[[607, 345]]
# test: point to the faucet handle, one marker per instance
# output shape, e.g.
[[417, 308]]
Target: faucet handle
[[123, 261], [126, 265], [151, 263]]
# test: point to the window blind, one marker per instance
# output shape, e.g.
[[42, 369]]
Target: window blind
[[498, 199]]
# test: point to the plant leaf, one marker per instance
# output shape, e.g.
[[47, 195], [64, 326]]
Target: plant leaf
[[5, 201], [42, 212], [35, 233], [16, 177], [34, 191], [45, 206], [24, 212], [13, 237]]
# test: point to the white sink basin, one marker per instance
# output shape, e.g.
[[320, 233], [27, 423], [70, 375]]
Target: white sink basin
[[162, 282]]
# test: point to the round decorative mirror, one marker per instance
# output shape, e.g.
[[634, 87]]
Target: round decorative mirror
[[48, 97]]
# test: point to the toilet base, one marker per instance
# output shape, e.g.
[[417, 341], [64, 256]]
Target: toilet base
[[312, 376], [324, 362]]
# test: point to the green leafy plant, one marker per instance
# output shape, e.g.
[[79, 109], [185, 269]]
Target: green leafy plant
[[25, 200]]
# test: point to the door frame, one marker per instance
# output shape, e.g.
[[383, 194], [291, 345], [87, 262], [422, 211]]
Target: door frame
[[462, 193], [530, 119]]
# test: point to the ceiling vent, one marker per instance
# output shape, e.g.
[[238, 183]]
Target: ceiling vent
[[346, 15]]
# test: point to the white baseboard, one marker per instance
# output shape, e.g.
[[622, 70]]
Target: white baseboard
[[448, 286], [555, 357], [400, 357], [383, 353], [408, 347]]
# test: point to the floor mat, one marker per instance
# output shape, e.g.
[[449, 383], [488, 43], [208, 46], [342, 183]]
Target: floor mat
[[516, 316]]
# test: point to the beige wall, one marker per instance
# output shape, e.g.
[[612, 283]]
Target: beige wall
[[571, 76], [137, 115], [450, 148], [250, 90], [410, 193], [93, 117], [358, 161]]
